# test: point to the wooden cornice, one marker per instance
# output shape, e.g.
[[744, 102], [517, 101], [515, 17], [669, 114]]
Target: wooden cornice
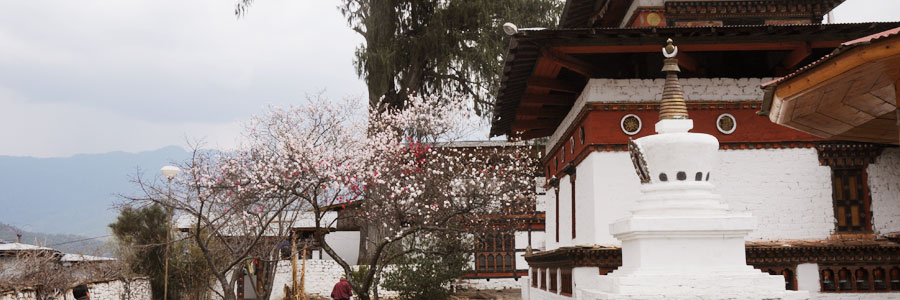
[[555, 84], [848, 154], [579, 66], [552, 100]]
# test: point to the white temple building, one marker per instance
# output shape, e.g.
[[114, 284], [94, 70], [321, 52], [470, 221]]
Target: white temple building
[[822, 214]]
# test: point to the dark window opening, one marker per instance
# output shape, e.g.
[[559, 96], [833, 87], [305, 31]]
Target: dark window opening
[[844, 283], [828, 280], [565, 282], [878, 279], [851, 200]]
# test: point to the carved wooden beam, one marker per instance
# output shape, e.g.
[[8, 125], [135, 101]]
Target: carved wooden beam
[[797, 55], [577, 65], [555, 84], [686, 62], [542, 112], [534, 133], [525, 125], [554, 100]]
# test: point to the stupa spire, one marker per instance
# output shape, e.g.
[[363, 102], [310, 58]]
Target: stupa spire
[[673, 105]]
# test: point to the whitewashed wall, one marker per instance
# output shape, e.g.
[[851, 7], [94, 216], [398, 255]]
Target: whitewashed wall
[[785, 189], [884, 184], [137, 289], [321, 275], [493, 284]]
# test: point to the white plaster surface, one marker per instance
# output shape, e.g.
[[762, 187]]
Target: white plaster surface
[[808, 277], [787, 191], [492, 284], [321, 275], [137, 289], [884, 185]]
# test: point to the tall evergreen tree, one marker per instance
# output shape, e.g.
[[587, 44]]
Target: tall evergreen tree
[[436, 47]]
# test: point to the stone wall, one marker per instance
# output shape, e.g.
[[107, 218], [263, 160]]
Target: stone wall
[[137, 289], [885, 189]]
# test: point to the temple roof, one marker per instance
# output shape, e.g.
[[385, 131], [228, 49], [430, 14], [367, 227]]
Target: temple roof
[[612, 13], [549, 68]]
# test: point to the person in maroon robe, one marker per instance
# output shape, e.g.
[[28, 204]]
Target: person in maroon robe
[[342, 290]]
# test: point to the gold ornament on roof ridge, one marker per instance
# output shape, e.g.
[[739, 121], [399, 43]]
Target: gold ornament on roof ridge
[[673, 106]]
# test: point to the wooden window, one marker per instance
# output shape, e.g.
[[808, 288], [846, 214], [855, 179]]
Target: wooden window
[[879, 279], [861, 281], [581, 134], [856, 279], [495, 252], [565, 282], [557, 215], [553, 286], [572, 145], [828, 283], [895, 279], [790, 281], [534, 278], [844, 283], [851, 200], [572, 180]]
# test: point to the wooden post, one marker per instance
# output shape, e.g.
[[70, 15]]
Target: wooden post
[[302, 292], [896, 104], [294, 290]]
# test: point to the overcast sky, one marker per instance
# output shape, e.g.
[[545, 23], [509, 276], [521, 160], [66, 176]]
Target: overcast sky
[[94, 76]]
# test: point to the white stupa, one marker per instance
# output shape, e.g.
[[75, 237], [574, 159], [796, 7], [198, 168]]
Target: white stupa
[[681, 242]]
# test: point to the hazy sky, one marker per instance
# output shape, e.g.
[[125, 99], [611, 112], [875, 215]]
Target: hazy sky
[[95, 76]]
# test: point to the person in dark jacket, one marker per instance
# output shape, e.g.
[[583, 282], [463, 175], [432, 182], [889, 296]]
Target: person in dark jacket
[[342, 290], [81, 292]]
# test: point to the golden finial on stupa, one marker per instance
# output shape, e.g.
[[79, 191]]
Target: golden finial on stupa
[[673, 105]]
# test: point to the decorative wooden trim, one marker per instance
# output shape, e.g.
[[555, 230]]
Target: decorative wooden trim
[[757, 256], [845, 155], [813, 9]]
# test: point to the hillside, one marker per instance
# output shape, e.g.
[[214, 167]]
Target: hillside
[[68, 243], [73, 195]]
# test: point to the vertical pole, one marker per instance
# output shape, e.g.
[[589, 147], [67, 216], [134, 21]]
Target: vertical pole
[[294, 289], [168, 230]]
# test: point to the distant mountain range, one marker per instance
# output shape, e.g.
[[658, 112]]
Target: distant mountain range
[[73, 195], [67, 243]]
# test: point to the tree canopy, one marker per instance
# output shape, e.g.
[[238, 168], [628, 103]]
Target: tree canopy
[[452, 49]]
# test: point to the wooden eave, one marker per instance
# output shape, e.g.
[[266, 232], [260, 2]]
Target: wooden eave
[[848, 95], [534, 59]]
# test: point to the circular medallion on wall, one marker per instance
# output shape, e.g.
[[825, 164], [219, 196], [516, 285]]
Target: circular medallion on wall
[[726, 123], [630, 124]]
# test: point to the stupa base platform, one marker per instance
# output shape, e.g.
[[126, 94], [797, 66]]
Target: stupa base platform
[[743, 283]]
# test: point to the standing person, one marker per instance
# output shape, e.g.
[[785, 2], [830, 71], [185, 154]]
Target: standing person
[[81, 292], [342, 290]]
